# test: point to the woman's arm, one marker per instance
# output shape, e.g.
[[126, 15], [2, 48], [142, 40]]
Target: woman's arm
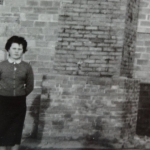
[[29, 81]]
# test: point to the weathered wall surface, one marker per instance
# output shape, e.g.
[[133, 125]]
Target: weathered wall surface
[[85, 108], [130, 33], [88, 34], [90, 110], [142, 56], [101, 34]]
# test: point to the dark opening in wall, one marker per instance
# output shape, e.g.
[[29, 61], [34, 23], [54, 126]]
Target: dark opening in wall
[[143, 120], [1, 2]]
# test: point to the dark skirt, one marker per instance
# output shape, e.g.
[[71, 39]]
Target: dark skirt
[[12, 115]]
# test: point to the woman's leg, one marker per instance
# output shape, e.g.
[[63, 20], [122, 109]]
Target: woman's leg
[[16, 147], [3, 148]]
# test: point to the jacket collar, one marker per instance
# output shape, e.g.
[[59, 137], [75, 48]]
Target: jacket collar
[[15, 62]]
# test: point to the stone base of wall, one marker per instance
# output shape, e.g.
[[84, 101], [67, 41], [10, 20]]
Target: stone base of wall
[[88, 110]]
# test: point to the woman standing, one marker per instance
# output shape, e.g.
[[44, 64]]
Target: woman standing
[[16, 82]]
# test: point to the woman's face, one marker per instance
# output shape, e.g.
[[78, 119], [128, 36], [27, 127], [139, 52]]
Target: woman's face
[[16, 51]]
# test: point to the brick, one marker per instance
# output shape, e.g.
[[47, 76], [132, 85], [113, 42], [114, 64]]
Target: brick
[[72, 60], [72, 22], [42, 43], [48, 31], [48, 50], [2, 55], [91, 28], [77, 27], [145, 56], [145, 11], [45, 17], [15, 3], [32, 3], [37, 90], [83, 48], [137, 55], [54, 25], [142, 35], [144, 4], [62, 52], [46, 3], [56, 4], [26, 23], [80, 56], [145, 23], [89, 44], [35, 70], [41, 70], [89, 61], [2, 30], [52, 10], [30, 57], [89, 36], [94, 65], [141, 30], [60, 60], [66, 64], [143, 49], [51, 38], [142, 62], [15, 9], [66, 39], [86, 69], [63, 35], [39, 24], [140, 43], [55, 18], [71, 68], [76, 36], [44, 57], [32, 16], [34, 30], [76, 43], [39, 10], [26, 9], [94, 73], [9, 19], [37, 64], [60, 68], [35, 37], [38, 77], [142, 16], [147, 43]]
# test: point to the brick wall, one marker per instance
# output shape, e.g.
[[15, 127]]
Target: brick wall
[[84, 108], [92, 36], [89, 110], [142, 54], [92, 32]]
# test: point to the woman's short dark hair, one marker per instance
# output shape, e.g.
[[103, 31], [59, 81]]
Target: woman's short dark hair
[[18, 40]]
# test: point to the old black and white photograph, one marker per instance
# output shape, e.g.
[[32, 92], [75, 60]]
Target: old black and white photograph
[[74, 74]]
